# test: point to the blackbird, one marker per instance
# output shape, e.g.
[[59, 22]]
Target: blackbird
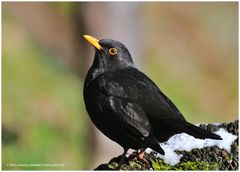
[[127, 106]]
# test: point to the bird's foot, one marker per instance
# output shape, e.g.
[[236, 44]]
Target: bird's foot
[[139, 156]]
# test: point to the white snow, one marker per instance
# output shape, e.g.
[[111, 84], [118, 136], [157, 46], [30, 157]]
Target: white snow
[[186, 142]]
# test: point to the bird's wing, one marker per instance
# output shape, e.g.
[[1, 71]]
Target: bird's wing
[[120, 110], [131, 84], [153, 100]]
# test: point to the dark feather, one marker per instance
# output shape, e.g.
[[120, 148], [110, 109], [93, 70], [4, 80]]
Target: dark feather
[[127, 106]]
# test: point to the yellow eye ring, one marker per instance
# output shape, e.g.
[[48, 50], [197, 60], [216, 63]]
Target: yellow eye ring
[[113, 51]]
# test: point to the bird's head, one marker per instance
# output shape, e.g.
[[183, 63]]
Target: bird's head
[[110, 54]]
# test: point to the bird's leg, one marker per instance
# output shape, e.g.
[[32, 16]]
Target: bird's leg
[[122, 159], [140, 156]]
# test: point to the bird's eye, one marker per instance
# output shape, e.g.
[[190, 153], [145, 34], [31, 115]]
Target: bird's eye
[[113, 51]]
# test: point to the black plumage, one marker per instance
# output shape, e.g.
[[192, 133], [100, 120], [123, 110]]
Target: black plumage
[[126, 105]]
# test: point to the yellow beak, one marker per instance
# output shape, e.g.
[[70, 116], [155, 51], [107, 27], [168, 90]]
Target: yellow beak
[[93, 41]]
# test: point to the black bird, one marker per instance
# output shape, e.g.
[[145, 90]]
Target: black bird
[[127, 106]]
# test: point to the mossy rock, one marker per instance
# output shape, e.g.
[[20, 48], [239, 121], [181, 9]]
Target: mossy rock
[[208, 158]]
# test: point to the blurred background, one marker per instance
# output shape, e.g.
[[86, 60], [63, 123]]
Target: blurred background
[[190, 50]]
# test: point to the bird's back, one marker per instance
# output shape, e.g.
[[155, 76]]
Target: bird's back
[[133, 86]]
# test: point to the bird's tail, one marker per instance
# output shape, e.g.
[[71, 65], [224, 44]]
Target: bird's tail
[[154, 145], [200, 133]]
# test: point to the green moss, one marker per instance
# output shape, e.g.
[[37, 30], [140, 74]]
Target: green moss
[[229, 157], [134, 165], [113, 165], [160, 165], [197, 166]]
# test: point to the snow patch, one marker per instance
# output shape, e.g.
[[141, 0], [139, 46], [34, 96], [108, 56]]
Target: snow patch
[[186, 142], [216, 124]]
